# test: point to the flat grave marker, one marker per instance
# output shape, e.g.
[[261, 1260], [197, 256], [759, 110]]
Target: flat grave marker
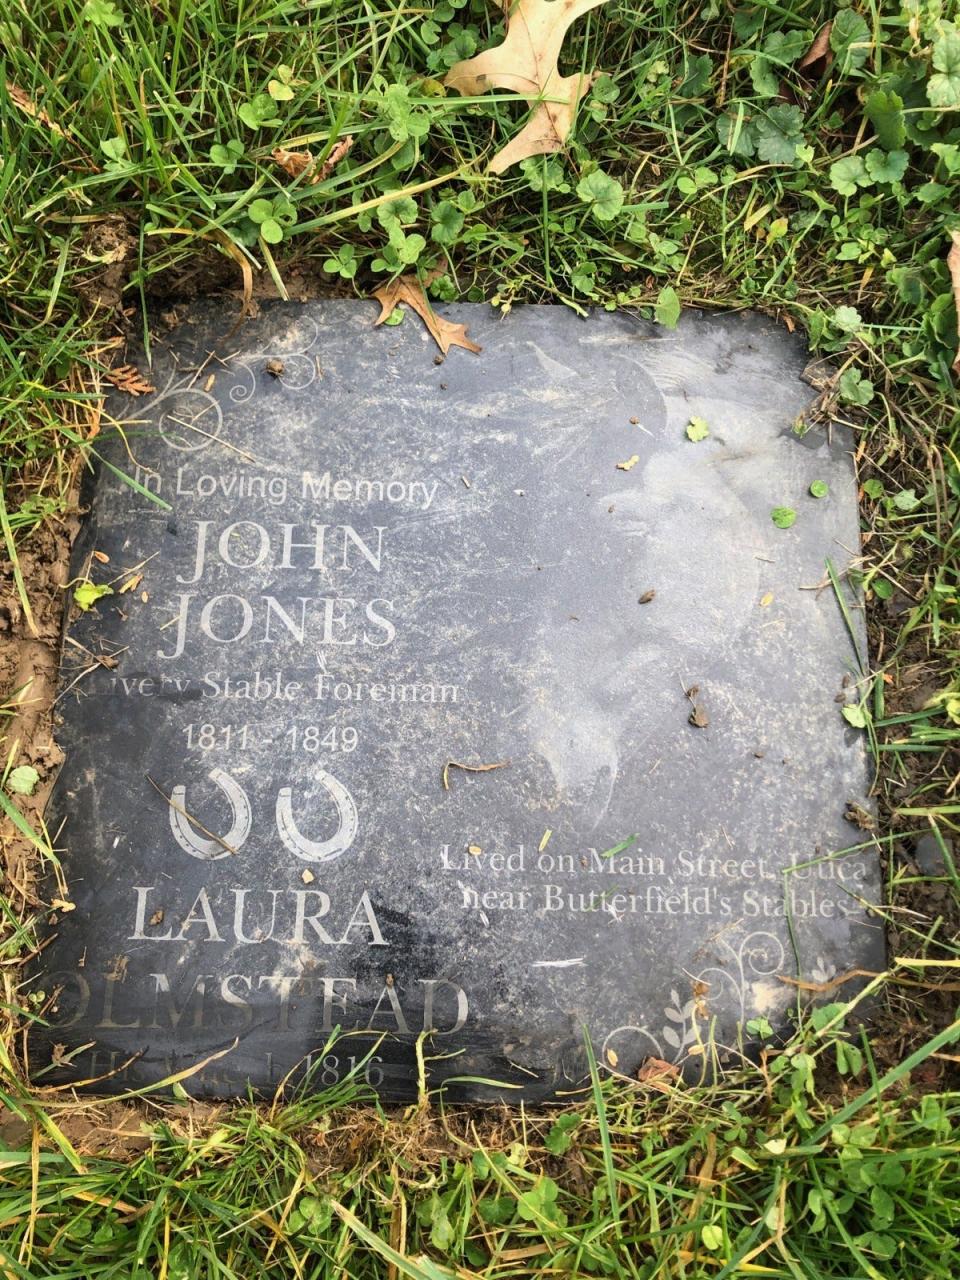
[[482, 699]]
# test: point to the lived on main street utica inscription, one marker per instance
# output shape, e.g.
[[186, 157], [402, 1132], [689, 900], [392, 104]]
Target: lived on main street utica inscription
[[464, 707]]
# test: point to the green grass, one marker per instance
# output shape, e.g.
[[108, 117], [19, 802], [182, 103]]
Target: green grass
[[704, 167], [754, 1177]]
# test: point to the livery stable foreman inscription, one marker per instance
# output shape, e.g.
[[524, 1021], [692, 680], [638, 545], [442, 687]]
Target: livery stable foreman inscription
[[460, 709]]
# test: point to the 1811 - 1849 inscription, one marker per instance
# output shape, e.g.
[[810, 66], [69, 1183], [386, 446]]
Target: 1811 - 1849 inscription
[[463, 708]]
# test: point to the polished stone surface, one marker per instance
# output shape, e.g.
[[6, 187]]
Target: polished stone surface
[[361, 570]]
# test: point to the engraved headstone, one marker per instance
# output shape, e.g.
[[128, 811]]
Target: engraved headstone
[[474, 699]]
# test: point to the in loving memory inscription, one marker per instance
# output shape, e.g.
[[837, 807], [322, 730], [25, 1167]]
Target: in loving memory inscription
[[358, 567]]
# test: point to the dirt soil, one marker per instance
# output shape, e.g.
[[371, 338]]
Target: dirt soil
[[29, 659]]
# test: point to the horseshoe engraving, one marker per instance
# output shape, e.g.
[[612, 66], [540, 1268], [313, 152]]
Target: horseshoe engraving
[[197, 846], [319, 850]]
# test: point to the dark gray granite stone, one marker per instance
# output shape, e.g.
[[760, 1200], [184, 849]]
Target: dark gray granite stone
[[364, 566]]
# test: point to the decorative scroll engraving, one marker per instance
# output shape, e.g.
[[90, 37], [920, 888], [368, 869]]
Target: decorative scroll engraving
[[189, 419], [299, 365], [760, 955]]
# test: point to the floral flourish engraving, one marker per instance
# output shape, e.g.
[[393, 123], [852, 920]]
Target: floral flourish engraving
[[299, 371], [758, 956]]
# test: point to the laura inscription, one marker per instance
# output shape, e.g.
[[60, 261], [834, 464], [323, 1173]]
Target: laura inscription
[[350, 584]]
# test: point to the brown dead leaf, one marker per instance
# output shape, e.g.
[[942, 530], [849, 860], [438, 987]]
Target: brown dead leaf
[[630, 463], [647, 596], [297, 163], [129, 379], [820, 48], [953, 265], [612, 1057], [131, 584], [333, 159], [860, 817], [698, 716], [657, 1069], [407, 289], [526, 63], [157, 917], [26, 104]]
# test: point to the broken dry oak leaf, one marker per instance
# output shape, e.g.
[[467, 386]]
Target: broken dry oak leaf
[[129, 379], [26, 104], [526, 63], [297, 163], [408, 289], [953, 265], [652, 1070]]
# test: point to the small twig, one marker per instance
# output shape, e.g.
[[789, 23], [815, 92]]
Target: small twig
[[469, 768], [190, 818], [821, 987]]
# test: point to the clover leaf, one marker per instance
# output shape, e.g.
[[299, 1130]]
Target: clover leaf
[[943, 88], [697, 430], [447, 222], [848, 174], [344, 264], [226, 154], [779, 134], [22, 780], [271, 216], [87, 593], [280, 89], [102, 14], [855, 388], [259, 112], [602, 193], [886, 166], [847, 319]]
